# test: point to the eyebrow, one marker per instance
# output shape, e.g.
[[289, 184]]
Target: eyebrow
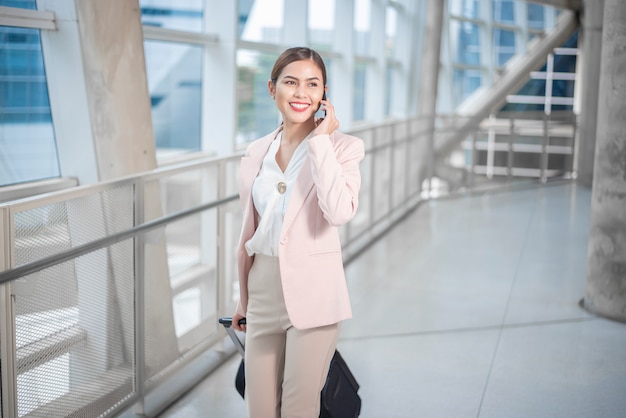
[[296, 78]]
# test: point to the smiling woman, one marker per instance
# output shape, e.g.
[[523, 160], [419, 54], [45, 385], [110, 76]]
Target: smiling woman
[[297, 185]]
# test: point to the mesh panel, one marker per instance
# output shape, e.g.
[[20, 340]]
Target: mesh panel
[[78, 360], [52, 229], [75, 321]]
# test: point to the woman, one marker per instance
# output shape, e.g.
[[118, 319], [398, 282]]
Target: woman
[[296, 186]]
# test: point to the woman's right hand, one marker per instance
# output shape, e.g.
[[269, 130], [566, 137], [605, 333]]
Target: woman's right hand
[[235, 324], [329, 123]]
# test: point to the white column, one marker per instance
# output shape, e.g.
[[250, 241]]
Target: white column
[[375, 73], [606, 262], [295, 23], [341, 72], [219, 88], [402, 52], [428, 86]]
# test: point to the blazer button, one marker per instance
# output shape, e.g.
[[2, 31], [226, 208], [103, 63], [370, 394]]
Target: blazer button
[[283, 241]]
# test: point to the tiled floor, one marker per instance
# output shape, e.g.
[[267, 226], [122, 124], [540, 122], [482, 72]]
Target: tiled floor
[[469, 308]]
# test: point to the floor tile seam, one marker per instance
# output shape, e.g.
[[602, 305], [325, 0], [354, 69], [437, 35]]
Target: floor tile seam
[[470, 329], [508, 301]]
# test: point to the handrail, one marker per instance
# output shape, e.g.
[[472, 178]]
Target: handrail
[[97, 244]]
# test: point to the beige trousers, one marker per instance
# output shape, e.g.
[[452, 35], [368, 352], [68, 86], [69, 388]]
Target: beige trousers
[[286, 367]]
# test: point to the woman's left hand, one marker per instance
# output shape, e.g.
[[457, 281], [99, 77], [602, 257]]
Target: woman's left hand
[[329, 123]]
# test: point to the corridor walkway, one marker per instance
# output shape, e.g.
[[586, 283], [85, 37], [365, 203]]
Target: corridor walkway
[[469, 308]]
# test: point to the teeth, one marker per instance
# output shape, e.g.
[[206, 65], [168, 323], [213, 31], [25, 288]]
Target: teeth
[[299, 106]]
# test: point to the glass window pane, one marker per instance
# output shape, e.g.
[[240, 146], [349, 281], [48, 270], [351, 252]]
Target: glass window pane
[[533, 87], [359, 91], [465, 8], [261, 20], [536, 17], [27, 144], [321, 24], [565, 63], [504, 11], [504, 45], [465, 38], [361, 26], [21, 4], [563, 88], [175, 83], [391, 23], [184, 15], [257, 113], [465, 83]]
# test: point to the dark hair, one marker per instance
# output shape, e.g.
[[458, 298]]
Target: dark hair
[[297, 54]]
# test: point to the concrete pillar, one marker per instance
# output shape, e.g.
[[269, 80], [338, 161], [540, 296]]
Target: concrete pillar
[[590, 80], [606, 262], [117, 88], [429, 80], [111, 39]]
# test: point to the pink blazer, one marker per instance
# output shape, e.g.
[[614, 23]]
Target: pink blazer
[[325, 195]]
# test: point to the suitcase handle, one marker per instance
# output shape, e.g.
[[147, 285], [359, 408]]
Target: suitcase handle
[[227, 321]]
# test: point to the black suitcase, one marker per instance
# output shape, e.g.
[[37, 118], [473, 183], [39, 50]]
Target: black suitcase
[[339, 394]]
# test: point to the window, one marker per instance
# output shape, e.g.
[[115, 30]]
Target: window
[[28, 149], [361, 27], [321, 24], [536, 18], [171, 14], [465, 8], [257, 113], [504, 45], [504, 11], [465, 82], [391, 27], [175, 84], [261, 20], [465, 38]]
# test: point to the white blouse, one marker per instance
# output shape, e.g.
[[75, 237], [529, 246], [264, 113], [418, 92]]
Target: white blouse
[[270, 193]]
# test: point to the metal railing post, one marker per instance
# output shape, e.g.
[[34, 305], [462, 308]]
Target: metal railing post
[[8, 371], [140, 305]]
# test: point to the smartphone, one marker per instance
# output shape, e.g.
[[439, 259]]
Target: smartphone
[[320, 105]]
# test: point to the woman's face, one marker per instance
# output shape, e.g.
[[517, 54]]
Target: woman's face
[[298, 91]]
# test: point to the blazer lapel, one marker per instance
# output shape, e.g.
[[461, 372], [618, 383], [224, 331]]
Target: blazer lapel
[[248, 170], [301, 189], [303, 186], [251, 163]]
